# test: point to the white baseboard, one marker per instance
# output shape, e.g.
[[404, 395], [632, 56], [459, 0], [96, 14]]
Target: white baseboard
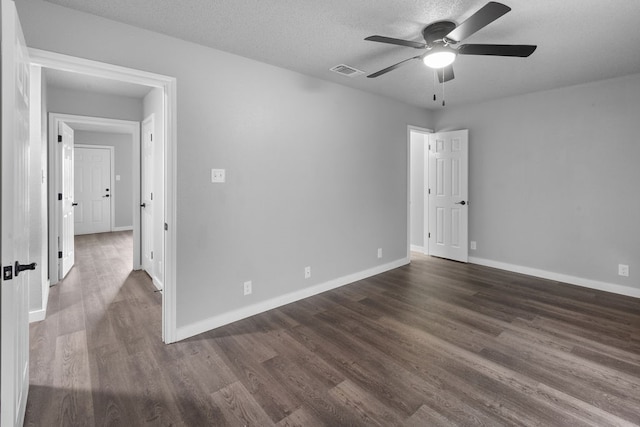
[[416, 248], [41, 314], [157, 283], [558, 277], [125, 228], [37, 315], [260, 307]]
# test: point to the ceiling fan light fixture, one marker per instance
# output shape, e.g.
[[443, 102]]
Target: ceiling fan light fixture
[[439, 57]]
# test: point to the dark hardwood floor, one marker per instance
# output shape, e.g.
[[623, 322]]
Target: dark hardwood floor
[[434, 343]]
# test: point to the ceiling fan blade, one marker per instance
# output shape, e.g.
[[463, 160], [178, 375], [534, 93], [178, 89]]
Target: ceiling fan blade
[[391, 68], [399, 42], [520, 50], [445, 74], [483, 17]]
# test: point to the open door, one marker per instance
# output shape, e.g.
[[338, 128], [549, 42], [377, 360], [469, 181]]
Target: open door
[[448, 195], [14, 214], [146, 194], [66, 245]]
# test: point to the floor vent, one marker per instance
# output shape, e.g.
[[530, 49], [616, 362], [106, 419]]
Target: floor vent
[[346, 70]]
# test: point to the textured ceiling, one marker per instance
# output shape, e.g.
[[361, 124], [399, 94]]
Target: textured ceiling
[[578, 40]]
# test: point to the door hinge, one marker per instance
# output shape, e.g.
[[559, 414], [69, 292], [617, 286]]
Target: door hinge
[[59, 138], [151, 137], [59, 254], [59, 196], [7, 272], [428, 191], [166, 226], [151, 196], [429, 236], [429, 147], [151, 254]]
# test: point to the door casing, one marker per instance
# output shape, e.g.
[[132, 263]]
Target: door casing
[[168, 85]]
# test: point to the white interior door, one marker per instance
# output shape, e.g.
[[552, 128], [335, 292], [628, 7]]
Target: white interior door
[[448, 194], [14, 214], [66, 245], [92, 189], [146, 217]]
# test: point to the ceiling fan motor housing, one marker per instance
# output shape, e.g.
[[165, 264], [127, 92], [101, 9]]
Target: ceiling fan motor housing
[[437, 31]]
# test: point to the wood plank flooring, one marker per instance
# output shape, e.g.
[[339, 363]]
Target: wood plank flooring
[[435, 343]]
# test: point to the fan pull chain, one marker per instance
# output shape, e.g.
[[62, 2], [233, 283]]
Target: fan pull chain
[[434, 85], [443, 87]]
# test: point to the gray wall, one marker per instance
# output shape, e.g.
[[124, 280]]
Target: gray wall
[[316, 172], [122, 194], [554, 179], [82, 103]]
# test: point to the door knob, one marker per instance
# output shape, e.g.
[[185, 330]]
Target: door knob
[[461, 203], [22, 267], [74, 204], [106, 195], [143, 205]]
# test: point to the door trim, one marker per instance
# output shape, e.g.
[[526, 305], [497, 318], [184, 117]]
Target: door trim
[[410, 129], [168, 84], [112, 179]]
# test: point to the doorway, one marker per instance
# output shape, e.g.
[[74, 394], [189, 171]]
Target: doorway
[[61, 232], [418, 140], [438, 193], [166, 85]]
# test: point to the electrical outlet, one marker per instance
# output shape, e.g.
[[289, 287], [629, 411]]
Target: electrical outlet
[[248, 288], [473, 245], [379, 252], [218, 175], [307, 272], [623, 270]]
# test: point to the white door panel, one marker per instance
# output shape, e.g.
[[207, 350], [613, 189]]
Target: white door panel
[[448, 195], [93, 196], [147, 206], [66, 244], [14, 213]]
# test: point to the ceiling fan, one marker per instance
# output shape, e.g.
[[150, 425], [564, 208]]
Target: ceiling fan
[[440, 39]]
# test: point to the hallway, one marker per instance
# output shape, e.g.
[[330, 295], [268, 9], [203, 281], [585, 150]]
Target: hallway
[[99, 319]]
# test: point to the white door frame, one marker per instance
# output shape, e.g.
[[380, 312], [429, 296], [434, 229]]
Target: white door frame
[[112, 179], [113, 125], [168, 84], [425, 161]]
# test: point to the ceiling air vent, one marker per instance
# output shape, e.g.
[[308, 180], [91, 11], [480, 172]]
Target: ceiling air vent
[[346, 70]]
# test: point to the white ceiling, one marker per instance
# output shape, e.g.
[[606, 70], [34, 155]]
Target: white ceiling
[[75, 81], [578, 40]]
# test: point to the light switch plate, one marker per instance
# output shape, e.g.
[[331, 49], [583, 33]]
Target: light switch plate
[[218, 175]]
